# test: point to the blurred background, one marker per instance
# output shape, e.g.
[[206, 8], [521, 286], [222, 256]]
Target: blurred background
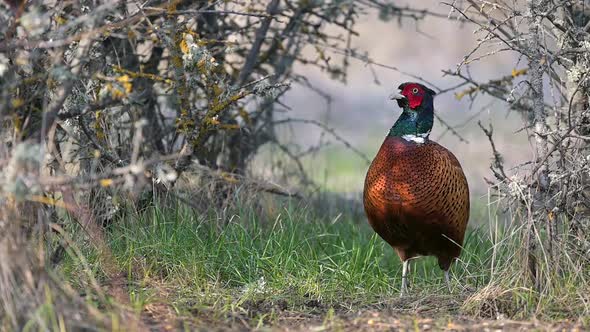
[[360, 111]]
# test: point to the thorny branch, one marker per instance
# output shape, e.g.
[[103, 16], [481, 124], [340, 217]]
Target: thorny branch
[[497, 166]]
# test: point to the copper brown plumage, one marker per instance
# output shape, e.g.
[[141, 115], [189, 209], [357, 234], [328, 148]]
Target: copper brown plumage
[[416, 196]]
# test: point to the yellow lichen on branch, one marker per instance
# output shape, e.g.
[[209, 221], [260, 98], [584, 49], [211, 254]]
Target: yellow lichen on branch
[[105, 182], [211, 118], [60, 20], [172, 5], [135, 75], [244, 115], [229, 177], [18, 123], [229, 126], [519, 72], [469, 91], [48, 201], [184, 123], [17, 102], [118, 87], [98, 128], [125, 82], [217, 107], [214, 121]]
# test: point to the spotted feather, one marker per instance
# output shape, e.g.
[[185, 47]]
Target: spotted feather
[[416, 198]]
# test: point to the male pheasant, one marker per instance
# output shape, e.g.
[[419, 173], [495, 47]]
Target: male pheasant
[[416, 195]]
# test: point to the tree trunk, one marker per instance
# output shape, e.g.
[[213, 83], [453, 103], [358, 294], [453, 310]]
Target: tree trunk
[[535, 72]]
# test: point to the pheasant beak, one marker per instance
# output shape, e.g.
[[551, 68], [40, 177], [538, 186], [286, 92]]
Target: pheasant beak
[[401, 99], [397, 96]]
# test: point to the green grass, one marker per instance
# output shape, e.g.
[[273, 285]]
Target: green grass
[[292, 256], [199, 263]]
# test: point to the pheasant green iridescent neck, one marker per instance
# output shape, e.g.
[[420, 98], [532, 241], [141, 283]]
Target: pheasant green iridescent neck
[[413, 122]]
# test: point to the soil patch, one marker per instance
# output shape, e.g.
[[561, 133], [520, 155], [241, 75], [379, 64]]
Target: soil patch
[[433, 313]]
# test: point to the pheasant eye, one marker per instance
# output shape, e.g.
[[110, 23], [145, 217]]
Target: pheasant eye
[[415, 90]]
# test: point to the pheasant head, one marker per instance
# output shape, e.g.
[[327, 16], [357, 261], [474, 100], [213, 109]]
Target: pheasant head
[[415, 122]]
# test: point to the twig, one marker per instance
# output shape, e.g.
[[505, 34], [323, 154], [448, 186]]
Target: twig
[[497, 166], [252, 57], [450, 128]]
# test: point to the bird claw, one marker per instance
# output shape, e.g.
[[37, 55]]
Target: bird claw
[[448, 281], [404, 288]]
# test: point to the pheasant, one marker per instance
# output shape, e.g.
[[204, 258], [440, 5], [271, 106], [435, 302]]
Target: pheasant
[[416, 196]]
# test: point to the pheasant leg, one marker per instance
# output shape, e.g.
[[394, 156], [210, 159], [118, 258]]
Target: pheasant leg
[[405, 270]]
